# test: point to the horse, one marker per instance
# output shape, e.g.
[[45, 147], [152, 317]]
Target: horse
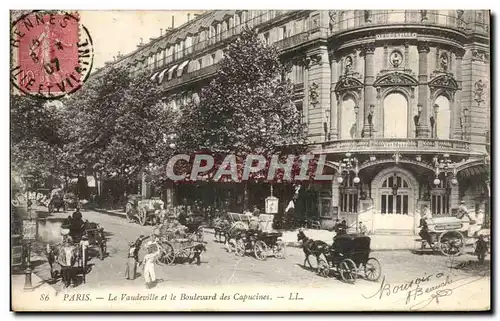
[[66, 256], [311, 247]]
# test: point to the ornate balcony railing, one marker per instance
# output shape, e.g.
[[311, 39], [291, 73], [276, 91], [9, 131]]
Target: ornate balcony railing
[[402, 144], [353, 19], [292, 41]]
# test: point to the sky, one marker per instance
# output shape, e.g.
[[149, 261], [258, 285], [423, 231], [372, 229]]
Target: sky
[[120, 31]]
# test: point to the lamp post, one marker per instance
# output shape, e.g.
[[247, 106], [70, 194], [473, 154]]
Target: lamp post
[[28, 235], [446, 166], [347, 165]]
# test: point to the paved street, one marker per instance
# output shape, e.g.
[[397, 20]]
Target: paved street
[[221, 268]]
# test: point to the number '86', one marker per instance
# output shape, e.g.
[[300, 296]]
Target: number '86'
[[44, 297]]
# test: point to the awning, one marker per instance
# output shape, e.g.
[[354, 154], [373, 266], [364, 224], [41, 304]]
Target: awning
[[161, 75], [180, 70], [170, 71], [153, 78]]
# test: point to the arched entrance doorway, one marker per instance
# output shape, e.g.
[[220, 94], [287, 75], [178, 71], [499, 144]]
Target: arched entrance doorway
[[395, 194]]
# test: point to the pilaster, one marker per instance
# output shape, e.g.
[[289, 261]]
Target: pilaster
[[423, 89]]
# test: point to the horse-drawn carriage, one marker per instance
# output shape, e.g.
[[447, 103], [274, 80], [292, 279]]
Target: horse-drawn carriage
[[447, 235], [176, 241], [348, 255], [56, 201], [144, 211], [261, 244], [81, 240]]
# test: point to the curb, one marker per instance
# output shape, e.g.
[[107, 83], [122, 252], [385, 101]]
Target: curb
[[110, 213]]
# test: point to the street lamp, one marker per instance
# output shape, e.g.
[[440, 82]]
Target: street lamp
[[347, 165], [28, 236], [445, 165]]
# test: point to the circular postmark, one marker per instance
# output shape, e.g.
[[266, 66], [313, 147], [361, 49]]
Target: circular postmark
[[51, 54]]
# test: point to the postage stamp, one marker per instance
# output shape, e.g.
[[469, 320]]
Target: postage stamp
[[251, 160], [51, 54]]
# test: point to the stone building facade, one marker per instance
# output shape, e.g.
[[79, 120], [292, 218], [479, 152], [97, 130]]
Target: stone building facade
[[399, 100]]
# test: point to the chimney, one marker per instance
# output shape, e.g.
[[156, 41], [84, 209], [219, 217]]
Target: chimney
[[161, 32], [189, 16], [140, 44], [173, 22]]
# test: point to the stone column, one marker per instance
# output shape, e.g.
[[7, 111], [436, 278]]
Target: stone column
[[423, 90], [333, 99], [369, 93], [455, 114]]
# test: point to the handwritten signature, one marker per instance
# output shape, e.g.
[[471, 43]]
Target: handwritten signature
[[438, 290], [418, 289]]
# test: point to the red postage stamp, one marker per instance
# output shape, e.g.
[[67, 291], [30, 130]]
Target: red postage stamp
[[52, 54]]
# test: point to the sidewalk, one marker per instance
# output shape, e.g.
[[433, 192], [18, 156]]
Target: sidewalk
[[41, 291]]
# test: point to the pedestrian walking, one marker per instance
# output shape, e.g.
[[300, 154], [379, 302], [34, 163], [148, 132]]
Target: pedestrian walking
[[362, 229], [131, 267], [149, 266]]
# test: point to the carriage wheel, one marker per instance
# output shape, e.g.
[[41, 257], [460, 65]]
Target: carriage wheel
[[168, 254], [451, 243], [240, 247], [323, 268], [142, 214], [348, 270], [260, 250], [279, 250], [199, 234], [373, 269]]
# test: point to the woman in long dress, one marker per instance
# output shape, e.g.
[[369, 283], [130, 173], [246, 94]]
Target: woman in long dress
[[131, 270]]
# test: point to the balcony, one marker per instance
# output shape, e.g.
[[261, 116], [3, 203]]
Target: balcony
[[368, 18], [422, 145], [292, 41]]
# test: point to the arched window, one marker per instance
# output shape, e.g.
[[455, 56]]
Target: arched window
[[395, 116], [443, 118], [348, 121]]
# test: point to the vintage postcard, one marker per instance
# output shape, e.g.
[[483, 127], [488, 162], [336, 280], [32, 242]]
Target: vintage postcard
[[250, 160]]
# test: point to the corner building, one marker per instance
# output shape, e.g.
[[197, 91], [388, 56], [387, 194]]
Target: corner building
[[399, 100]]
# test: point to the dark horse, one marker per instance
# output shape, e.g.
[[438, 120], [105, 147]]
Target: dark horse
[[311, 247]]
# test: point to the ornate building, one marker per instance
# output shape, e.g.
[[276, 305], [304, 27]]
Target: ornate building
[[399, 100]]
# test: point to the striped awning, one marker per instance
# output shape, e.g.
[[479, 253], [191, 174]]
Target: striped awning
[[153, 77], [161, 75], [170, 71], [180, 70]]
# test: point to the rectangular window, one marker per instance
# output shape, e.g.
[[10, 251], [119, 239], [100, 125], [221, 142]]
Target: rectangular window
[[405, 204], [398, 204], [199, 64], [213, 58], [299, 76], [389, 204], [383, 202]]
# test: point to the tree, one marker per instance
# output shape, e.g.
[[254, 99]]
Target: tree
[[247, 108], [116, 125], [34, 138]]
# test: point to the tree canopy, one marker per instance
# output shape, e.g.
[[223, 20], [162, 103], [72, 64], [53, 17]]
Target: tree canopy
[[247, 108]]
